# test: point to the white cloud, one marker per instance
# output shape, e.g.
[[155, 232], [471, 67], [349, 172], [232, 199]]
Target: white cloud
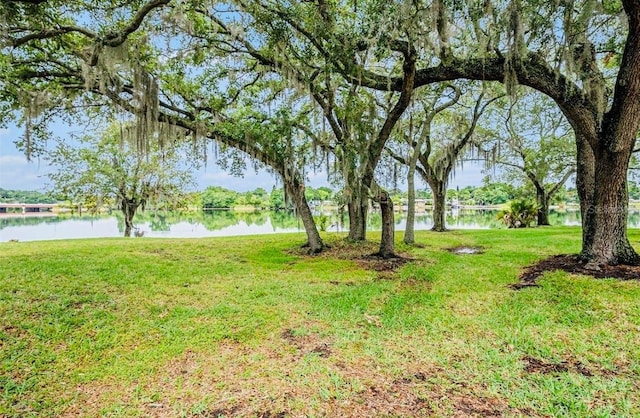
[[470, 175], [16, 173], [13, 160]]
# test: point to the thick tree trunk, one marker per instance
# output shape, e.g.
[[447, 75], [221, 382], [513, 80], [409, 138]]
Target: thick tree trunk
[[409, 236], [128, 208], [439, 189], [314, 242], [585, 181], [387, 244], [542, 199], [358, 208], [605, 214]]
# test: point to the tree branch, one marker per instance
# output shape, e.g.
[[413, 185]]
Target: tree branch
[[51, 33], [562, 181], [116, 39], [622, 119], [395, 156], [508, 164], [477, 113], [408, 82], [531, 70], [29, 1]]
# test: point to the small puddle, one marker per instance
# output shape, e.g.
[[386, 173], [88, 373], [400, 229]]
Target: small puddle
[[466, 250]]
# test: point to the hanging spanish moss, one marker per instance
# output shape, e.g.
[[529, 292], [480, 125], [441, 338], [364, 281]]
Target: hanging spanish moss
[[35, 104], [105, 74], [517, 47], [216, 150], [146, 101]]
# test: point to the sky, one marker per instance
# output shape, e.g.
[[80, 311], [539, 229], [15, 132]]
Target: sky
[[16, 173]]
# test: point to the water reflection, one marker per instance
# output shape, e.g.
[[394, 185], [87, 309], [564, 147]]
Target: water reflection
[[227, 223]]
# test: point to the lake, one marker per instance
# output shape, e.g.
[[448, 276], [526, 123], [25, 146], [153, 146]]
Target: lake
[[34, 227]]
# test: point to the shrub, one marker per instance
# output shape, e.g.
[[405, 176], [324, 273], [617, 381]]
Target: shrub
[[520, 214], [322, 221]]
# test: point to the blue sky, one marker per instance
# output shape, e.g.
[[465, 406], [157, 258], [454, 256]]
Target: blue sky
[[16, 173]]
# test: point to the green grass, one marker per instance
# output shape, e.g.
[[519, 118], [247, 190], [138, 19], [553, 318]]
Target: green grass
[[247, 326]]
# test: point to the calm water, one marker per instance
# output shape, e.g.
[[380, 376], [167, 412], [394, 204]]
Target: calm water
[[226, 223]]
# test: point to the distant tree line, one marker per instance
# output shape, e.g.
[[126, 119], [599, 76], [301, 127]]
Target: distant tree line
[[22, 196], [217, 197], [492, 194]]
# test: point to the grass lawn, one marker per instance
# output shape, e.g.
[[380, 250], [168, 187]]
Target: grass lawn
[[248, 326]]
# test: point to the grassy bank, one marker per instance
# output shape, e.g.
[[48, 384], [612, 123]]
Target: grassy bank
[[247, 326]]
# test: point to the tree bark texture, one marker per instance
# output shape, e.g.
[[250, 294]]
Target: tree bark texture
[[542, 199], [387, 244], [585, 178], [128, 208], [358, 206], [409, 236], [605, 214], [604, 233], [296, 190], [439, 189]]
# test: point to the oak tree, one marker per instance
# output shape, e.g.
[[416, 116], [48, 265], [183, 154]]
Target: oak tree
[[109, 168]]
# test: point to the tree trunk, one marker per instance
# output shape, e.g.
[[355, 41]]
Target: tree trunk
[[409, 236], [585, 181], [542, 199], [358, 208], [314, 242], [387, 244], [604, 232], [439, 189], [128, 208]]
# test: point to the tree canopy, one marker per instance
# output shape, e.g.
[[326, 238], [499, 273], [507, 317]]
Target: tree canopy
[[187, 68], [106, 169]]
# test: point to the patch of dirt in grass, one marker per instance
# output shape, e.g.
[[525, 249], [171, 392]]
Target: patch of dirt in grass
[[463, 399], [91, 397], [269, 414], [159, 410], [347, 283], [10, 330], [364, 253], [572, 264], [322, 350], [414, 395], [379, 264], [534, 365], [307, 344], [290, 374], [236, 411], [387, 400], [341, 249], [418, 393], [219, 412], [186, 364], [478, 406]]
